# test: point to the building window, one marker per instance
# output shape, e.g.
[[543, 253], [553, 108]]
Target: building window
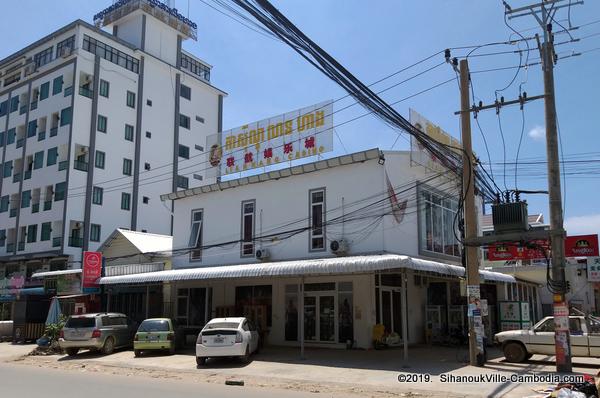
[[184, 151], [248, 211], [3, 108], [195, 242], [97, 194], [7, 169], [148, 134], [437, 226], [43, 57], [185, 91], [57, 85], [44, 91], [145, 200], [2, 238], [95, 233], [46, 230], [25, 199], [129, 132], [110, 54], [65, 47], [130, 99], [4, 202], [102, 123], [182, 182], [11, 135], [149, 102], [59, 191], [100, 159], [14, 104], [104, 88], [184, 121], [195, 67], [125, 201], [198, 177], [147, 166], [317, 219], [199, 119], [32, 233], [32, 129], [66, 116], [52, 156], [38, 160], [127, 167]]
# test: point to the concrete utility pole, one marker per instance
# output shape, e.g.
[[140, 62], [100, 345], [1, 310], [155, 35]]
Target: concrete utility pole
[[544, 17], [476, 355]]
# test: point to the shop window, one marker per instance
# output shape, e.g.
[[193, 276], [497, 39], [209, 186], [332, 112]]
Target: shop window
[[317, 220], [194, 306], [291, 313], [255, 303], [345, 313], [247, 228], [438, 227], [195, 241]]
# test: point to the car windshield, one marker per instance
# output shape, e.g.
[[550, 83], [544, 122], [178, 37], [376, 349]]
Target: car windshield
[[154, 326], [222, 325], [80, 322]]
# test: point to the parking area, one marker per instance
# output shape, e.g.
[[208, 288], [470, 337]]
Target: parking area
[[349, 369]]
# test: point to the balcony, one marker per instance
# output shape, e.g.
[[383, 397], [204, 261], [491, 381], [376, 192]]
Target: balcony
[[27, 175], [41, 136], [16, 177], [68, 91], [86, 92], [20, 142], [47, 205], [80, 165], [57, 242], [23, 110], [21, 246], [10, 247], [63, 165], [34, 105], [53, 131], [75, 241], [13, 212], [35, 207]]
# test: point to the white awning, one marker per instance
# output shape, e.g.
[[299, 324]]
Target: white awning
[[308, 267], [56, 273]]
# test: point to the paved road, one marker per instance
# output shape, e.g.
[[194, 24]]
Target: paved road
[[27, 381]]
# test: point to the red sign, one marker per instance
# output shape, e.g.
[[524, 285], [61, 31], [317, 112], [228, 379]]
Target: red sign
[[581, 246], [514, 251], [92, 269]]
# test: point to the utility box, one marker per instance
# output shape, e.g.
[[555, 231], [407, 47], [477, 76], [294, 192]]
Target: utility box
[[510, 217]]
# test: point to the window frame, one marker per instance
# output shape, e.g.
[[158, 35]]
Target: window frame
[[196, 249], [129, 132], [243, 214], [57, 85], [104, 88], [127, 171], [52, 156], [95, 232], [100, 155], [127, 202], [46, 233], [186, 150], [102, 127], [188, 122], [187, 89], [130, 99], [311, 206], [97, 195], [44, 91]]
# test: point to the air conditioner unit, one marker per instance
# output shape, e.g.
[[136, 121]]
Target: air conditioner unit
[[338, 247], [84, 149], [77, 225], [88, 79], [29, 69], [262, 254], [65, 52]]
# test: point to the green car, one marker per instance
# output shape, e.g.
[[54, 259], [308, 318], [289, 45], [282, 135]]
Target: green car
[[156, 334]]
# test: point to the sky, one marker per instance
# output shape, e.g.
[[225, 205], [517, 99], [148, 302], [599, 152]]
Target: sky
[[263, 77]]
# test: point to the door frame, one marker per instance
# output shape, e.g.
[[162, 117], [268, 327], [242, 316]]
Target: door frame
[[317, 295], [391, 290]]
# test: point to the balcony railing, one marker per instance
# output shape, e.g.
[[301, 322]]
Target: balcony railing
[[23, 110], [68, 91], [41, 136], [34, 105], [57, 242], [75, 241], [10, 247], [80, 165], [13, 212], [21, 246], [16, 177], [86, 92], [35, 207], [47, 205], [20, 142], [53, 131], [63, 165], [27, 175]]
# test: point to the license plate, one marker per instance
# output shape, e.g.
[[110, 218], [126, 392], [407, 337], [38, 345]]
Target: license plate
[[219, 339], [153, 338]]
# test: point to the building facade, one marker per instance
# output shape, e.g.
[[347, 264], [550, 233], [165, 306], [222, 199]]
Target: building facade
[[94, 125]]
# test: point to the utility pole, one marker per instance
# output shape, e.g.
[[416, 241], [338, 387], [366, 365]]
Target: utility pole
[[544, 16], [476, 350]]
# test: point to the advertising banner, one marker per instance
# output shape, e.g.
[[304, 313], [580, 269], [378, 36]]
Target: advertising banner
[[581, 246], [593, 269], [291, 136], [506, 252], [92, 270]]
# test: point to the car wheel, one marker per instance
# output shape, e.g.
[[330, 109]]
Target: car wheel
[[515, 352], [246, 357], [109, 346], [72, 351], [200, 361], [137, 353]]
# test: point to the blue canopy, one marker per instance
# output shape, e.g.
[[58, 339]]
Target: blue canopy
[[54, 312]]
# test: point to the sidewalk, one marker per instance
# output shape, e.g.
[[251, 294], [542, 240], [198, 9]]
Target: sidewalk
[[332, 370], [9, 351]]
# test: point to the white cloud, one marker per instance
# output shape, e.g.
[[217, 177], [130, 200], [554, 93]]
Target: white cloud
[[583, 225], [537, 133]]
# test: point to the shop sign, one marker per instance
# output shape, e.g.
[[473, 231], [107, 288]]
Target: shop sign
[[515, 251], [581, 246], [92, 270], [291, 136], [12, 285], [593, 269]]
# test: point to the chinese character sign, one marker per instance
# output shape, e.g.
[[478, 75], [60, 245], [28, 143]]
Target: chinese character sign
[[593, 269], [291, 136]]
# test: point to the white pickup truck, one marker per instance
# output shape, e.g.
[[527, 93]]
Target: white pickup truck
[[519, 345]]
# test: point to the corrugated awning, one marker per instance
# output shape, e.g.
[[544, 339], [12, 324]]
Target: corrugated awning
[[56, 273], [308, 267]]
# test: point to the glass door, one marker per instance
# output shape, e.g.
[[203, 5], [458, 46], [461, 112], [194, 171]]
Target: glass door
[[327, 318], [391, 310], [310, 318], [320, 317]]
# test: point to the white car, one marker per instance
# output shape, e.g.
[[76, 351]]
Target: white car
[[519, 345], [227, 337]]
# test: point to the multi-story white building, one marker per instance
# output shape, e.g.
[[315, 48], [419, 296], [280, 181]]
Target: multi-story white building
[[94, 125]]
